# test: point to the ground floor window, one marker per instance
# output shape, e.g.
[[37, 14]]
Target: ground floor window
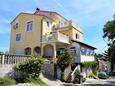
[[28, 51], [37, 50]]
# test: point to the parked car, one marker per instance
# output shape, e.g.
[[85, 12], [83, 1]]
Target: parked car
[[103, 75]]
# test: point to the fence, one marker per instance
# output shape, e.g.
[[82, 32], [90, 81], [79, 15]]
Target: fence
[[12, 59]]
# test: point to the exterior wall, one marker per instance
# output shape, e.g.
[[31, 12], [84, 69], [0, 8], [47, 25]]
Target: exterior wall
[[77, 55], [55, 16], [58, 19], [74, 31], [67, 32], [45, 28], [28, 39], [76, 52], [87, 58], [86, 72], [71, 32], [54, 49], [67, 71]]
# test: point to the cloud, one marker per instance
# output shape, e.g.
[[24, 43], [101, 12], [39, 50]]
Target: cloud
[[4, 29], [60, 5], [4, 49]]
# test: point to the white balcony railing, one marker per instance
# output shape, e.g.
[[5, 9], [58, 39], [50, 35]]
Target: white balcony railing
[[56, 37]]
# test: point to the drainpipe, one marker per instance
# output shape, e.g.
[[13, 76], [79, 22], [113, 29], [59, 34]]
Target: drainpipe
[[41, 35]]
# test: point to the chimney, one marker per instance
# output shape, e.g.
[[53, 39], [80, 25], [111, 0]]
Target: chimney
[[37, 9]]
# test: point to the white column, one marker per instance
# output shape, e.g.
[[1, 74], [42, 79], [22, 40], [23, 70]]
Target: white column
[[55, 53], [3, 59]]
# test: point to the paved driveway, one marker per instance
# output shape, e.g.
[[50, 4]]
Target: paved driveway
[[100, 82], [93, 82]]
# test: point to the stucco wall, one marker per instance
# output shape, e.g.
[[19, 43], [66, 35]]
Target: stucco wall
[[28, 39], [87, 58], [74, 32], [76, 55]]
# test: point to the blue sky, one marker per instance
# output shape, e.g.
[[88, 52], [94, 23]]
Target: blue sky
[[91, 15]]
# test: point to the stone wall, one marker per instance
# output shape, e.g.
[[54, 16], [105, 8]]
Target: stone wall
[[5, 69], [67, 71], [48, 70]]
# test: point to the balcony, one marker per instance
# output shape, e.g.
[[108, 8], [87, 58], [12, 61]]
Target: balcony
[[69, 25], [56, 37]]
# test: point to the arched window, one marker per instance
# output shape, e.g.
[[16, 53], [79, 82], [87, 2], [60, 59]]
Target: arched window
[[48, 51], [28, 51], [37, 50]]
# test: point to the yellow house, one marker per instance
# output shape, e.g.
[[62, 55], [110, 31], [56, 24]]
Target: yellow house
[[29, 31], [43, 33]]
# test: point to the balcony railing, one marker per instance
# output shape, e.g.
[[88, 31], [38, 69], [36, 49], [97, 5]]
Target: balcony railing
[[56, 37]]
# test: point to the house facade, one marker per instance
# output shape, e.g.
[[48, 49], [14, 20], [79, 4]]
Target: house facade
[[45, 33]]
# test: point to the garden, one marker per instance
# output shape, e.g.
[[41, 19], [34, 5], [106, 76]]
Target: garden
[[25, 72]]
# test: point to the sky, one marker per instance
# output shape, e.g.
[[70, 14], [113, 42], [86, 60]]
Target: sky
[[91, 15]]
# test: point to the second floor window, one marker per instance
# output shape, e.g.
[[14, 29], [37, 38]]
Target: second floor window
[[48, 24], [29, 26], [77, 36], [17, 25], [18, 37]]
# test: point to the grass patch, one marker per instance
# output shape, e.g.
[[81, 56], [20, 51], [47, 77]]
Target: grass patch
[[6, 81], [38, 82]]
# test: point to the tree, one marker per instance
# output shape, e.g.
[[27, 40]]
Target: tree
[[1, 52], [109, 33], [65, 59]]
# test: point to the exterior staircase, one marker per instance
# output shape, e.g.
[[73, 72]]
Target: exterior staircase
[[71, 75]]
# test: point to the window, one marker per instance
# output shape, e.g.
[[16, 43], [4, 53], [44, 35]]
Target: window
[[87, 52], [73, 50], [18, 37], [61, 24], [17, 25], [18, 51], [48, 24], [83, 51], [92, 53], [77, 36], [29, 26]]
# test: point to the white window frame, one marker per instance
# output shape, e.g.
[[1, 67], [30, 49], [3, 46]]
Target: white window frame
[[16, 37], [29, 26]]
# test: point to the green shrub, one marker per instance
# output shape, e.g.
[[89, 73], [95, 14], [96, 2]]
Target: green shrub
[[113, 73], [77, 72], [30, 68], [78, 78], [90, 64], [64, 60], [6, 81]]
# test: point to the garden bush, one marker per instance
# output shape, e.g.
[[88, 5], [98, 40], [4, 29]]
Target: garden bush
[[113, 73], [30, 68], [7, 81], [78, 78]]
